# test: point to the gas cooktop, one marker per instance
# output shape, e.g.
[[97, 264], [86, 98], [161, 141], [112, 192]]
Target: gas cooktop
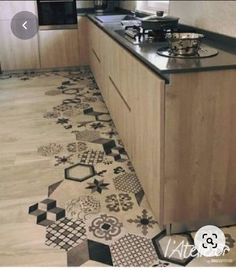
[[137, 37]]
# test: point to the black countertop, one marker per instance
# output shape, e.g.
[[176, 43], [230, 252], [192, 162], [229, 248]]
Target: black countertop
[[226, 58]]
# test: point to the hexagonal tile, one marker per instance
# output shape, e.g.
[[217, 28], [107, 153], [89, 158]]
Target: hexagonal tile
[[79, 172], [127, 182], [105, 117], [119, 202], [133, 251], [104, 228], [65, 234], [142, 222], [82, 207], [169, 248]]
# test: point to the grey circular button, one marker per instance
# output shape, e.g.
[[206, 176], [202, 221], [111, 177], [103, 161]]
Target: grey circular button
[[24, 25]]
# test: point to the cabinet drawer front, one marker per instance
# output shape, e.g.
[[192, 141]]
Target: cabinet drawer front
[[120, 94], [122, 116], [122, 69], [95, 64]]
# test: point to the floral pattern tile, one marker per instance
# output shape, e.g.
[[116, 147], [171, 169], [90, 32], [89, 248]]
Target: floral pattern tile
[[105, 228]]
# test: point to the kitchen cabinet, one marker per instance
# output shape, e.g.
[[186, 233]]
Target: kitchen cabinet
[[200, 148], [58, 48], [16, 53], [9, 8], [95, 59], [179, 136], [83, 41], [138, 117]]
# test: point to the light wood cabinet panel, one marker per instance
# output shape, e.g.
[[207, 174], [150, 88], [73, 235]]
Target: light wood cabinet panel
[[123, 70], [9, 8], [97, 54], [83, 41], [148, 137], [59, 48], [16, 53], [134, 96], [122, 115], [200, 146]]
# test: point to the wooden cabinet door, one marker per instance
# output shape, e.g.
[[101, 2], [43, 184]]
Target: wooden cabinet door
[[9, 8], [121, 114], [59, 48], [83, 41], [122, 69], [16, 53], [97, 54], [148, 137]]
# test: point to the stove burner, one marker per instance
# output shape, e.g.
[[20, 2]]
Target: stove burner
[[137, 35], [204, 52]]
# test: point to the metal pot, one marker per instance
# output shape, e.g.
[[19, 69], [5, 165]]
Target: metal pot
[[184, 43], [159, 22]]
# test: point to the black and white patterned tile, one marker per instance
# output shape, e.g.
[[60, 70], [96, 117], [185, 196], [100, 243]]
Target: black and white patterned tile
[[50, 149], [127, 182], [142, 222], [83, 207], [46, 212], [119, 202], [133, 251], [65, 234], [105, 228]]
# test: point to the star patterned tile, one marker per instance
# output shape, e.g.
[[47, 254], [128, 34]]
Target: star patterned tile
[[142, 222]]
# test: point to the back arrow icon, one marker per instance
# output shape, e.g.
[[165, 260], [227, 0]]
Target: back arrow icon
[[24, 25]]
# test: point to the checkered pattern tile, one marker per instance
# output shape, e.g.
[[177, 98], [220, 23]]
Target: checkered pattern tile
[[133, 251], [127, 182], [66, 234]]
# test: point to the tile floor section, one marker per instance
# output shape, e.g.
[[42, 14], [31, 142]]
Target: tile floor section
[[95, 211]]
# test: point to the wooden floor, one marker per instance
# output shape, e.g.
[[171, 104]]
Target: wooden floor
[[25, 174]]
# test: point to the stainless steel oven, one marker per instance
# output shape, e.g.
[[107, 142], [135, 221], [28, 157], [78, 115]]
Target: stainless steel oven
[[57, 14]]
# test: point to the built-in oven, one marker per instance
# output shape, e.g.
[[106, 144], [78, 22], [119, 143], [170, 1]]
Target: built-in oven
[[57, 14]]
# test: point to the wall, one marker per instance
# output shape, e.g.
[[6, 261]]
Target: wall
[[130, 5], [215, 16], [85, 4]]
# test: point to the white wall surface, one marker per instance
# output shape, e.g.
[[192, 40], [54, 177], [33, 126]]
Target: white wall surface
[[215, 16], [130, 5], [85, 4]]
